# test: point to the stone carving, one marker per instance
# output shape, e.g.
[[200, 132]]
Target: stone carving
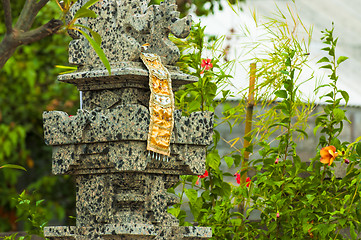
[[125, 25], [121, 192]]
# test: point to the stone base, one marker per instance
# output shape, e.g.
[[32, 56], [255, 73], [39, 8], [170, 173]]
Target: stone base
[[127, 232]]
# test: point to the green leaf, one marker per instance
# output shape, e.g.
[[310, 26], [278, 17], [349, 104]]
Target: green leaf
[[338, 114], [89, 3], [229, 161], [83, 12], [342, 221], [341, 59], [327, 66], [95, 35], [345, 96], [358, 148], [324, 59], [13, 166], [226, 189], [303, 132], [70, 68], [39, 202], [98, 50], [352, 231], [281, 93], [237, 160], [174, 211], [213, 160], [191, 195], [278, 124], [326, 49], [194, 106]]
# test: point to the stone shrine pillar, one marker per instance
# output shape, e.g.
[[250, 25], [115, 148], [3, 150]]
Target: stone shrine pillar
[[121, 191]]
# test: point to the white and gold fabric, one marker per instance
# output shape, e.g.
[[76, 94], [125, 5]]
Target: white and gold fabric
[[161, 107]]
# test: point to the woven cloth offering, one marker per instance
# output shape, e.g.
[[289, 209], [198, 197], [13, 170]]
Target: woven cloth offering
[[161, 106]]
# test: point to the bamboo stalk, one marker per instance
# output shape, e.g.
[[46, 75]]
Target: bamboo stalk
[[248, 128]]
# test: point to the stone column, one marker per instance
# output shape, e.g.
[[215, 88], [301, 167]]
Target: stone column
[[121, 190]]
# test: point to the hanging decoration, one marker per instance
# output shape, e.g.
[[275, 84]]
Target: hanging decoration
[[161, 107]]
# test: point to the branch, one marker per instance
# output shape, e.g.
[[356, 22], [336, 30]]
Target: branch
[[39, 33], [11, 41], [41, 4], [8, 17], [28, 13]]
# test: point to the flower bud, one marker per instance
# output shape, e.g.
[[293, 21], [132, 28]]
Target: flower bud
[[347, 161], [278, 215], [277, 159]]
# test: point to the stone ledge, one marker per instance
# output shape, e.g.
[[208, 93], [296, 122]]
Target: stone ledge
[[128, 231], [127, 74], [124, 122]]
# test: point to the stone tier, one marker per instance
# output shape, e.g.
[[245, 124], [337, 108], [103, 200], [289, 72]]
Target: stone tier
[[127, 232], [123, 75], [114, 140]]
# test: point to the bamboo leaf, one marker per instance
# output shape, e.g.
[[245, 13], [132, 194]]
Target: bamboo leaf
[[302, 132], [13, 166], [89, 4], [66, 67], [69, 68], [98, 50], [95, 35], [278, 124]]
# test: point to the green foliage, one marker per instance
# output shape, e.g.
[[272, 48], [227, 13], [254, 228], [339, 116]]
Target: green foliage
[[33, 215], [29, 87], [83, 12], [200, 96], [331, 120], [13, 166], [294, 200], [202, 7]]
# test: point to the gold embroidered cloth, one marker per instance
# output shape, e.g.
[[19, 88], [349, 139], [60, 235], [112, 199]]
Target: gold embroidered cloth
[[161, 105]]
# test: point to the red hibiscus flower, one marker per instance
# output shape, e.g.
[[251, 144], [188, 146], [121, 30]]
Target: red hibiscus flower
[[206, 64], [202, 176], [248, 181], [238, 177]]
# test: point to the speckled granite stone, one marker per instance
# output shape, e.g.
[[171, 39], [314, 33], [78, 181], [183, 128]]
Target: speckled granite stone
[[124, 231], [125, 25], [124, 75], [116, 137], [121, 190]]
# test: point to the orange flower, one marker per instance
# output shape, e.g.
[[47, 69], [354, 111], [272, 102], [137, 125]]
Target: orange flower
[[328, 154]]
